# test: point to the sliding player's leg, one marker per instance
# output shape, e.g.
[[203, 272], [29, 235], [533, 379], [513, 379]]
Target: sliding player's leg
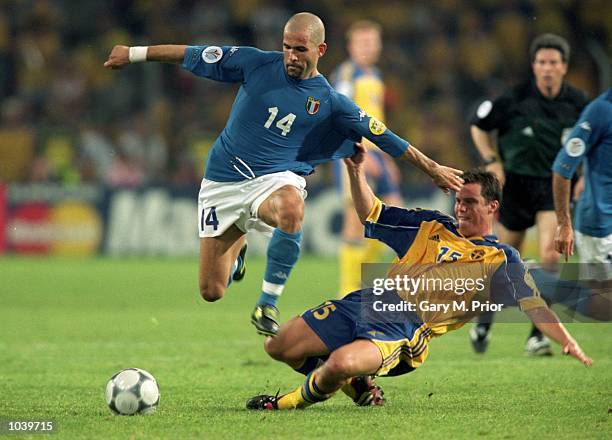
[[297, 345], [304, 343], [359, 358]]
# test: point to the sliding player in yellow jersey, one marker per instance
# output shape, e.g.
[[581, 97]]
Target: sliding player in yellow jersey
[[359, 79], [341, 344]]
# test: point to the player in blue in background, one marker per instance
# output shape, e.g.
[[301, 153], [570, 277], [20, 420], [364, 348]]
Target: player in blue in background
[[589, 143], [285, 120]]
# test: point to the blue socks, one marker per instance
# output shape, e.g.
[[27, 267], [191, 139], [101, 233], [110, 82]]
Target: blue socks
[[283, 253]]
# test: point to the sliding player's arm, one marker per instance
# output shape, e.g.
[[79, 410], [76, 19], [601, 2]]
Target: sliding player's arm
[[547, 321], [362, 194], [513, 280], [394, 226]]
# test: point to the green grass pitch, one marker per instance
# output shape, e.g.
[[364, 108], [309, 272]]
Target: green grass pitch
[[66, 325]]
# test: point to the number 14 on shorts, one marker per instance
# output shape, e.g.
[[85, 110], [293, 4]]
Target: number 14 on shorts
[[209, 218]]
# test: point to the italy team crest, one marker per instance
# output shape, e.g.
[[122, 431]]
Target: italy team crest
[[312, 105]]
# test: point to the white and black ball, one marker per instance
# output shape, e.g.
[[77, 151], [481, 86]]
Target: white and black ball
[[132, 391]]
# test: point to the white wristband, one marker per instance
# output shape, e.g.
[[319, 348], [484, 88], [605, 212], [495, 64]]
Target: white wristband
[[138, 54]]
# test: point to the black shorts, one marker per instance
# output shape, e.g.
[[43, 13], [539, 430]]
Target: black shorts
[[523, 197]]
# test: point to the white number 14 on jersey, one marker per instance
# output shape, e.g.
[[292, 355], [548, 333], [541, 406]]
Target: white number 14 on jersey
[[283, 124]]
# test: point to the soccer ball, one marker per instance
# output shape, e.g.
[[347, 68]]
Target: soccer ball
[[132, 391]]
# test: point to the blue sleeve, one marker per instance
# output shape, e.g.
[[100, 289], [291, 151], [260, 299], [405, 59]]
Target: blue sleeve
[[353, 122], [513, 285], [227, 63], [394, 216], [584, 135]]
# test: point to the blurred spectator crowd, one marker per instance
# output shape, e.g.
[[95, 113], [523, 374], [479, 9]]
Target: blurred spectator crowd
[[64, 118]]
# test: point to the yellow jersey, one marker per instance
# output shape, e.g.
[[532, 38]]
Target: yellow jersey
[[447, 277]]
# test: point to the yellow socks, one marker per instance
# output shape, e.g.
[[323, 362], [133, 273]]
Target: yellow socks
[[351, 257], [303, 396]]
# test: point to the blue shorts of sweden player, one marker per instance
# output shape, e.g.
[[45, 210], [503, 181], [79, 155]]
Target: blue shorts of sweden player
[[340, 322]]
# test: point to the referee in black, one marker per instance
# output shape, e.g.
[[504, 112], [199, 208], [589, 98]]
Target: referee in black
[[527, 124]]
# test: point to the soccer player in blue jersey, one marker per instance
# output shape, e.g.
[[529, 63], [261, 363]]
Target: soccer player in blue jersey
[[338, 341], [589, 143], [285, 120]]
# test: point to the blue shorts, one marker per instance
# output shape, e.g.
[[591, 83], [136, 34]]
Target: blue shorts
[[383, 185], [403, 345]]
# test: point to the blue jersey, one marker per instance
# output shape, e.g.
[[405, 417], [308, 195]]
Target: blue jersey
[[278, 123], [590, 142]]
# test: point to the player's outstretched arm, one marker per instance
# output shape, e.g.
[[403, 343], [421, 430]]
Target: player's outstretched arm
[[548, 323], [445, 177], [362, 194], [121, 56]]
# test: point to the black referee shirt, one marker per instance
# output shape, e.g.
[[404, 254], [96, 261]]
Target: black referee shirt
[[531, 127]]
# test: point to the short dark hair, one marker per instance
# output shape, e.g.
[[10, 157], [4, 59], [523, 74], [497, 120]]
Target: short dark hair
[[550, 41], [490, 188]]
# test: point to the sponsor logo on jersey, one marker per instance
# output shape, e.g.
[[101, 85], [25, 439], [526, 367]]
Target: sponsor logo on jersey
[[484, 109], [312, 105], [585, 126], [435, 237], [575, 147], [527, 131], [232, 50], [212, 54], [362, 114], [376, 127]]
